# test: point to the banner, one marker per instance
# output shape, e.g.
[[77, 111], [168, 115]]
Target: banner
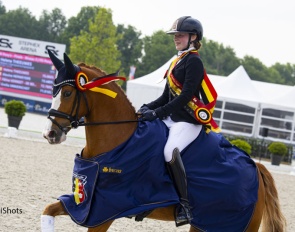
[[31, 47]]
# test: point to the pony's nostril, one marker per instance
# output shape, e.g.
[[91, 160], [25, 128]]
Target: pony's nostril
[[52, 134]]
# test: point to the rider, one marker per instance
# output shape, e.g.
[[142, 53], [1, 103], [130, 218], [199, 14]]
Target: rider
[[187, 74]]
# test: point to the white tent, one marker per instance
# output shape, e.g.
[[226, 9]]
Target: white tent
[[236, 90], [238, 87], [282, 99]]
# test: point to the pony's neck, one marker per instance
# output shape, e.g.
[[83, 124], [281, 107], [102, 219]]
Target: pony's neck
[[104, 138]]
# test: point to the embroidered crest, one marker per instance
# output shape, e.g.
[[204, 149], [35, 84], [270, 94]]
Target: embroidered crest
[[79, 182]]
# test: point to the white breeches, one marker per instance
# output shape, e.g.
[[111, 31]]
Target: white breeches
[[181, 134]]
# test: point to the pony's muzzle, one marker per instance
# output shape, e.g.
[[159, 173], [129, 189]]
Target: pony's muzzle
[[53, 137]]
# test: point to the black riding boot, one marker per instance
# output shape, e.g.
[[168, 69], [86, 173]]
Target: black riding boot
[[176, 170]]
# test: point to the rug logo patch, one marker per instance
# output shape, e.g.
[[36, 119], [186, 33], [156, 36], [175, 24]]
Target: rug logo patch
[[111, 170], [79, 182]]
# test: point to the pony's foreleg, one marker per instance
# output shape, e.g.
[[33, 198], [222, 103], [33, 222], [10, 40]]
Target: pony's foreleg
[[47, 217]]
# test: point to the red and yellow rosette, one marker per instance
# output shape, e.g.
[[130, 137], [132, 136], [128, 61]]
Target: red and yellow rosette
[[82, 83]]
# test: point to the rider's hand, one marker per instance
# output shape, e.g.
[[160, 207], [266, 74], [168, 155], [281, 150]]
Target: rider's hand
[[143, 109], [149, 115]]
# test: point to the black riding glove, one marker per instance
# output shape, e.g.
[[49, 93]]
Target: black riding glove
[[149, 115], [160, 112], [143, 109]]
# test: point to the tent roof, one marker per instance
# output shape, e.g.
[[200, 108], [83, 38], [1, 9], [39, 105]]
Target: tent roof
[[271, 91], [285, 98], [237, 87], [154, 78]]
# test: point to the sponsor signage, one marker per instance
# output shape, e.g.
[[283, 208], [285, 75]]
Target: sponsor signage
[[30, 47], [26, 71]]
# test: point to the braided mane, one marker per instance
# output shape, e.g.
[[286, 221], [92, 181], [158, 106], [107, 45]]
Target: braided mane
[[92, 67]]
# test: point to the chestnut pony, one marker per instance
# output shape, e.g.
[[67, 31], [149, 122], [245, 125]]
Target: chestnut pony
[[85, 96]]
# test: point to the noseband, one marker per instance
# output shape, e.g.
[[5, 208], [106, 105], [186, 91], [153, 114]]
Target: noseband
[[74, 120]]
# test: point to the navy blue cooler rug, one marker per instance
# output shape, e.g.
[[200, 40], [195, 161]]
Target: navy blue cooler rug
[[132, 179]]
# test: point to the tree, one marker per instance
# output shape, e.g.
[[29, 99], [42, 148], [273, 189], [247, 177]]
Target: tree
[[130, 46], [101, 43], [158, 48], [98, 46], [218, 59], [78, 24], [258, 71], [19, 22], [287, 72], [2, 8], [54, 24]]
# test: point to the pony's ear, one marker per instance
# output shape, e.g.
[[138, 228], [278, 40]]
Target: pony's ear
[[58, 64], [70, 68]]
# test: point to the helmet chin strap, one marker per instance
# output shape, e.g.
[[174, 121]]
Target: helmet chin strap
[[189, 42]]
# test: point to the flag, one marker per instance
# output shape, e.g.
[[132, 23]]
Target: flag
[[132, 72]]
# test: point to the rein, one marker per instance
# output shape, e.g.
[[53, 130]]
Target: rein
[[74, 121], [82, 123]]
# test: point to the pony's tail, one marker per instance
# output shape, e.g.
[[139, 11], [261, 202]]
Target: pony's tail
[[273, 219]]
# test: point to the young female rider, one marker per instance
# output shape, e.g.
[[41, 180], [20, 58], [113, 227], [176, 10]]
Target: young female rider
[[184, 79]]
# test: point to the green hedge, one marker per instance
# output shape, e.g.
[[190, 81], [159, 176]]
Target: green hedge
[[259, 147], [243, 145]]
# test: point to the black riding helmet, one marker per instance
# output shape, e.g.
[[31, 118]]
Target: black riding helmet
[[189, 25]]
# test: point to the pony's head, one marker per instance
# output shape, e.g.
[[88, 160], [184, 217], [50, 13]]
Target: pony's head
[[69, 101]]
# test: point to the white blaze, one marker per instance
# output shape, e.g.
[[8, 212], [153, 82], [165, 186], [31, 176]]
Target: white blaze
[[54, 105]]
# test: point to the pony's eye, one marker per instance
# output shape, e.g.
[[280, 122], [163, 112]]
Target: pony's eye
[[67, 93]]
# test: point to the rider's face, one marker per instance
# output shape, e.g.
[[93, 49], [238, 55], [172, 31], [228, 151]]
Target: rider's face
[[181, 40]]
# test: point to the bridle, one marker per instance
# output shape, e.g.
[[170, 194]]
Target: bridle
[[73, 76], [74, 120]]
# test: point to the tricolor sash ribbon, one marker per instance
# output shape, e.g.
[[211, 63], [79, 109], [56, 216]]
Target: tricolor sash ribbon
[[200, 110]]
